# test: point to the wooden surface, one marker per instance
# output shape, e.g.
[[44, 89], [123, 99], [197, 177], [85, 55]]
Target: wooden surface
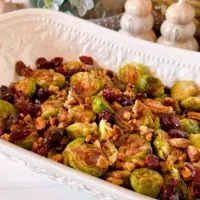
[[19, 183]]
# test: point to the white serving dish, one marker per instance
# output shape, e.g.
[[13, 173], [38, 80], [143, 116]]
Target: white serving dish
[[29, 34]]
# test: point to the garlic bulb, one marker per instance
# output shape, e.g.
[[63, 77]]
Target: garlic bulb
[[178, 29], [137, 20]]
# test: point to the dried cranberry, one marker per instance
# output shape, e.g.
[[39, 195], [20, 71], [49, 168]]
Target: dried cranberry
[[41, 95], [110, 74], [54, 137], [86, 60], [1, 130], [170, 121], [23, 70], [167, 90], [196, 183], [106, 115], [152, 162], [141, 95], [5, 94], [109, 94], [170, 191], [12, 119], [57, 61], [24, 105], [20, 133], [191, 168], [61, 70], [40, 61], [44, 64], [196, 179], [124, 100], [176, 133], [43, 151]]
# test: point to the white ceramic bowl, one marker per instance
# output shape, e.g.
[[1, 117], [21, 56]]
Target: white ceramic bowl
[[29, 34]]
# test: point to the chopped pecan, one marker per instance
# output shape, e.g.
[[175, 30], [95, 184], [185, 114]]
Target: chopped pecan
[[179, 142], [188, 171], [194, 115], [138, 107], [40, 123], [156, 107], [129, 166], [102, 162], [57, 158], [193, 153], [116, 181]]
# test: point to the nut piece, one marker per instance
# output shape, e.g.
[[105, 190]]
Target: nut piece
[[40, 123], [156, 107], [116, 181], [179, 142], [193, 153], [194, 115]]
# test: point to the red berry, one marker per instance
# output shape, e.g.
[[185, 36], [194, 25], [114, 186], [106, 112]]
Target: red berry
[[86, 60]]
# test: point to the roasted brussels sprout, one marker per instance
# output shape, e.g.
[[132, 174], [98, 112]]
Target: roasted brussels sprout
[[129, 73], [79, 129], [105, 130], [6, 109], [85, 157], [24, 136], [73, 65], [146, 119], [100, 104], [191, 103], [45, 78], [182, 187], [183, 89], [147, 182], [27, 86], [189, 126], [195, 140], [151, 85], [110, 152], [135, 147], [81, 114], [51, 108], [161, 145], [86, 84]]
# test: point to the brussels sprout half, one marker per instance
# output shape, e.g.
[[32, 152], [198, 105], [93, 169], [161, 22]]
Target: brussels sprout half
[[151, 85], [85, 157], [45, 78], [195, 140], [81, 114], [130, 73], [161, 145], [190, 126], [79, 129], [183, 89], [86, 84], [51, 108], [27, 86], [6, 109], [135, 148], [147, 182], [100, 104], [191, 103]]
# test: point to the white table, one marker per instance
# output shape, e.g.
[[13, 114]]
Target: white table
[[19, 183]]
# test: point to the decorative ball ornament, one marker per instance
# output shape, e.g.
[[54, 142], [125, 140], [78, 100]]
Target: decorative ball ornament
[[178, 29], [137, 20]]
